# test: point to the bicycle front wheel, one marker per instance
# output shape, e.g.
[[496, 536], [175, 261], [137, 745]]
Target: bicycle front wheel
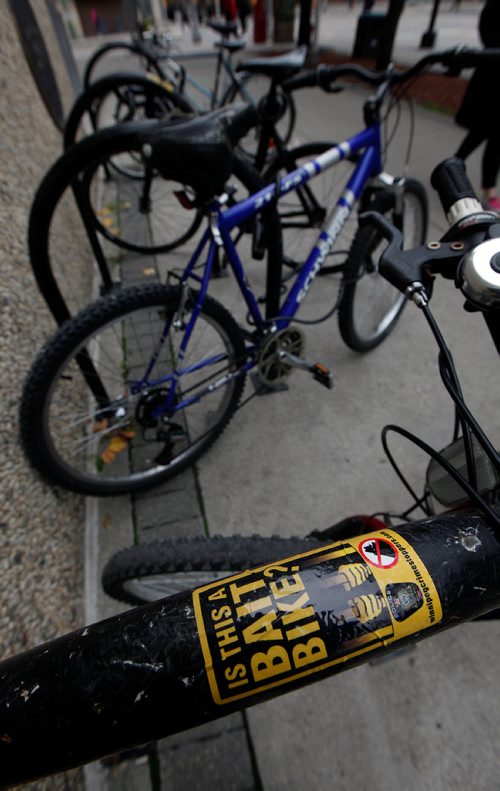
[[370, 305], [148, 572], [111, 405]]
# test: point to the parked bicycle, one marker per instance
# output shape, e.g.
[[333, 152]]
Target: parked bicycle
[[197, 656], [466, 473], [165, 396], [143, 215], [154, 55]]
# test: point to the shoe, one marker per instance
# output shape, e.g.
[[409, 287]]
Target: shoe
[[493, 204]]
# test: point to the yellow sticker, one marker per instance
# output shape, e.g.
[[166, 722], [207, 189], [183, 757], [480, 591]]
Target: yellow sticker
[[159, 81], [284, 621]]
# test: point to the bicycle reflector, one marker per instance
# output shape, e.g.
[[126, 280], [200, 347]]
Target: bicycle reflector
[[446, 489]]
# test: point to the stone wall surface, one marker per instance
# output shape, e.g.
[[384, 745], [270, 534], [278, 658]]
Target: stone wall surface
[[41, 529]]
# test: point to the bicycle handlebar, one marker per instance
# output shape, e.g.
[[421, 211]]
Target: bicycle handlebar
[[197, 656], [454, 59], [469, 252]]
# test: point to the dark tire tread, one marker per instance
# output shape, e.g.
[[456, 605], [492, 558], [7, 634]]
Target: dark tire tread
[[196, 553]]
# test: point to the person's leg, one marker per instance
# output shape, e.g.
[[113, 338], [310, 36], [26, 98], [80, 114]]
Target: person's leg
[[489, 171], [471, 141]]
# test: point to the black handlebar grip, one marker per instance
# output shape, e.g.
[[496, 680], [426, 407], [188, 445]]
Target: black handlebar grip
[[305, 79], [451, 182]]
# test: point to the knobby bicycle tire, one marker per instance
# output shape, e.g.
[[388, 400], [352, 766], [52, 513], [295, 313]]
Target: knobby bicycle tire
[[117, 442], [370, 306], [152, 571], [141, 211]]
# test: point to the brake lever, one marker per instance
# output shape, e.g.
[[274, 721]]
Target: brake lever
[[410, 271]]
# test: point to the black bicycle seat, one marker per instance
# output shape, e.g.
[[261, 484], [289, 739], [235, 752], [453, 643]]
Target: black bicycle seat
[[279, 67], [231, 46], [224, 28], [197, 151]]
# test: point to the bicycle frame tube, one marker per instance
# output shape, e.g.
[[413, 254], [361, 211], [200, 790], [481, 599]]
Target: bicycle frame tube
[[212, 94], [172, 403], [174, 664], [368, 142]]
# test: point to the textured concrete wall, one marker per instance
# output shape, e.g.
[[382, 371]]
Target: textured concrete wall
[[41, 529]]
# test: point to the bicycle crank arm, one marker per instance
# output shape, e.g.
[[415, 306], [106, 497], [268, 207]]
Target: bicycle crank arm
[[319, 371]]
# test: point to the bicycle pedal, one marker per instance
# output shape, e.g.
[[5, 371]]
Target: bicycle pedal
[[322, 375], [319, 371]]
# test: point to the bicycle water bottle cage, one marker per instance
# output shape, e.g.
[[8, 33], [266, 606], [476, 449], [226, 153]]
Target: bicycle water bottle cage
[[279, 67], [196, 152]]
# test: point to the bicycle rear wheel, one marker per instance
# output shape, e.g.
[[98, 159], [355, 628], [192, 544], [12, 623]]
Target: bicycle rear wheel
[[370, 306], [148, 572], [117, 428]]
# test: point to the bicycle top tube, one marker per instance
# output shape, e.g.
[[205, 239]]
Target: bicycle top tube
[[366, 141]]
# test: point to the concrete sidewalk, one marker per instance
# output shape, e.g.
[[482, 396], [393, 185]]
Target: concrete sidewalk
[[302, 459]]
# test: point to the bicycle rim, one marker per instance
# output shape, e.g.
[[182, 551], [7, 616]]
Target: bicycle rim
[[138, 209], [372, 305], [134, 441]]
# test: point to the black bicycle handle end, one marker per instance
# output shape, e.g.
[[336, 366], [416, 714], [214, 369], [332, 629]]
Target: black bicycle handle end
[[451, 182]]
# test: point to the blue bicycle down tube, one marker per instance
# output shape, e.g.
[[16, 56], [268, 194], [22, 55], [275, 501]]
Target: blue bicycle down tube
[[329, 234]]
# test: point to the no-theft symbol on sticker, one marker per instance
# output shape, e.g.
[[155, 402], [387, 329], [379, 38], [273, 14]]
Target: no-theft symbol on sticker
[[378, 552]]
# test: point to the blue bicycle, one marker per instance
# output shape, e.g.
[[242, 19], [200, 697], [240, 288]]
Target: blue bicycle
[[142, 382]]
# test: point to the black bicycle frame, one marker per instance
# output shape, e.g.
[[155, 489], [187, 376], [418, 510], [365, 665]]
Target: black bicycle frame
[[197, 656]]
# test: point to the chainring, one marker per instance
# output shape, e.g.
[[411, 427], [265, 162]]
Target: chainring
[[273, 371]]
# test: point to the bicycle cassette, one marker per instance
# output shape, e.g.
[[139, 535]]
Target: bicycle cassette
[[271, 368]]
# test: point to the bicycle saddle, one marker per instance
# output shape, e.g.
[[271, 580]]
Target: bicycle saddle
[[224, 28], [279, 67], [197, 151]]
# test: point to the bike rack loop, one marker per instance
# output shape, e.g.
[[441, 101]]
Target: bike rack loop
[[68, 170]]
